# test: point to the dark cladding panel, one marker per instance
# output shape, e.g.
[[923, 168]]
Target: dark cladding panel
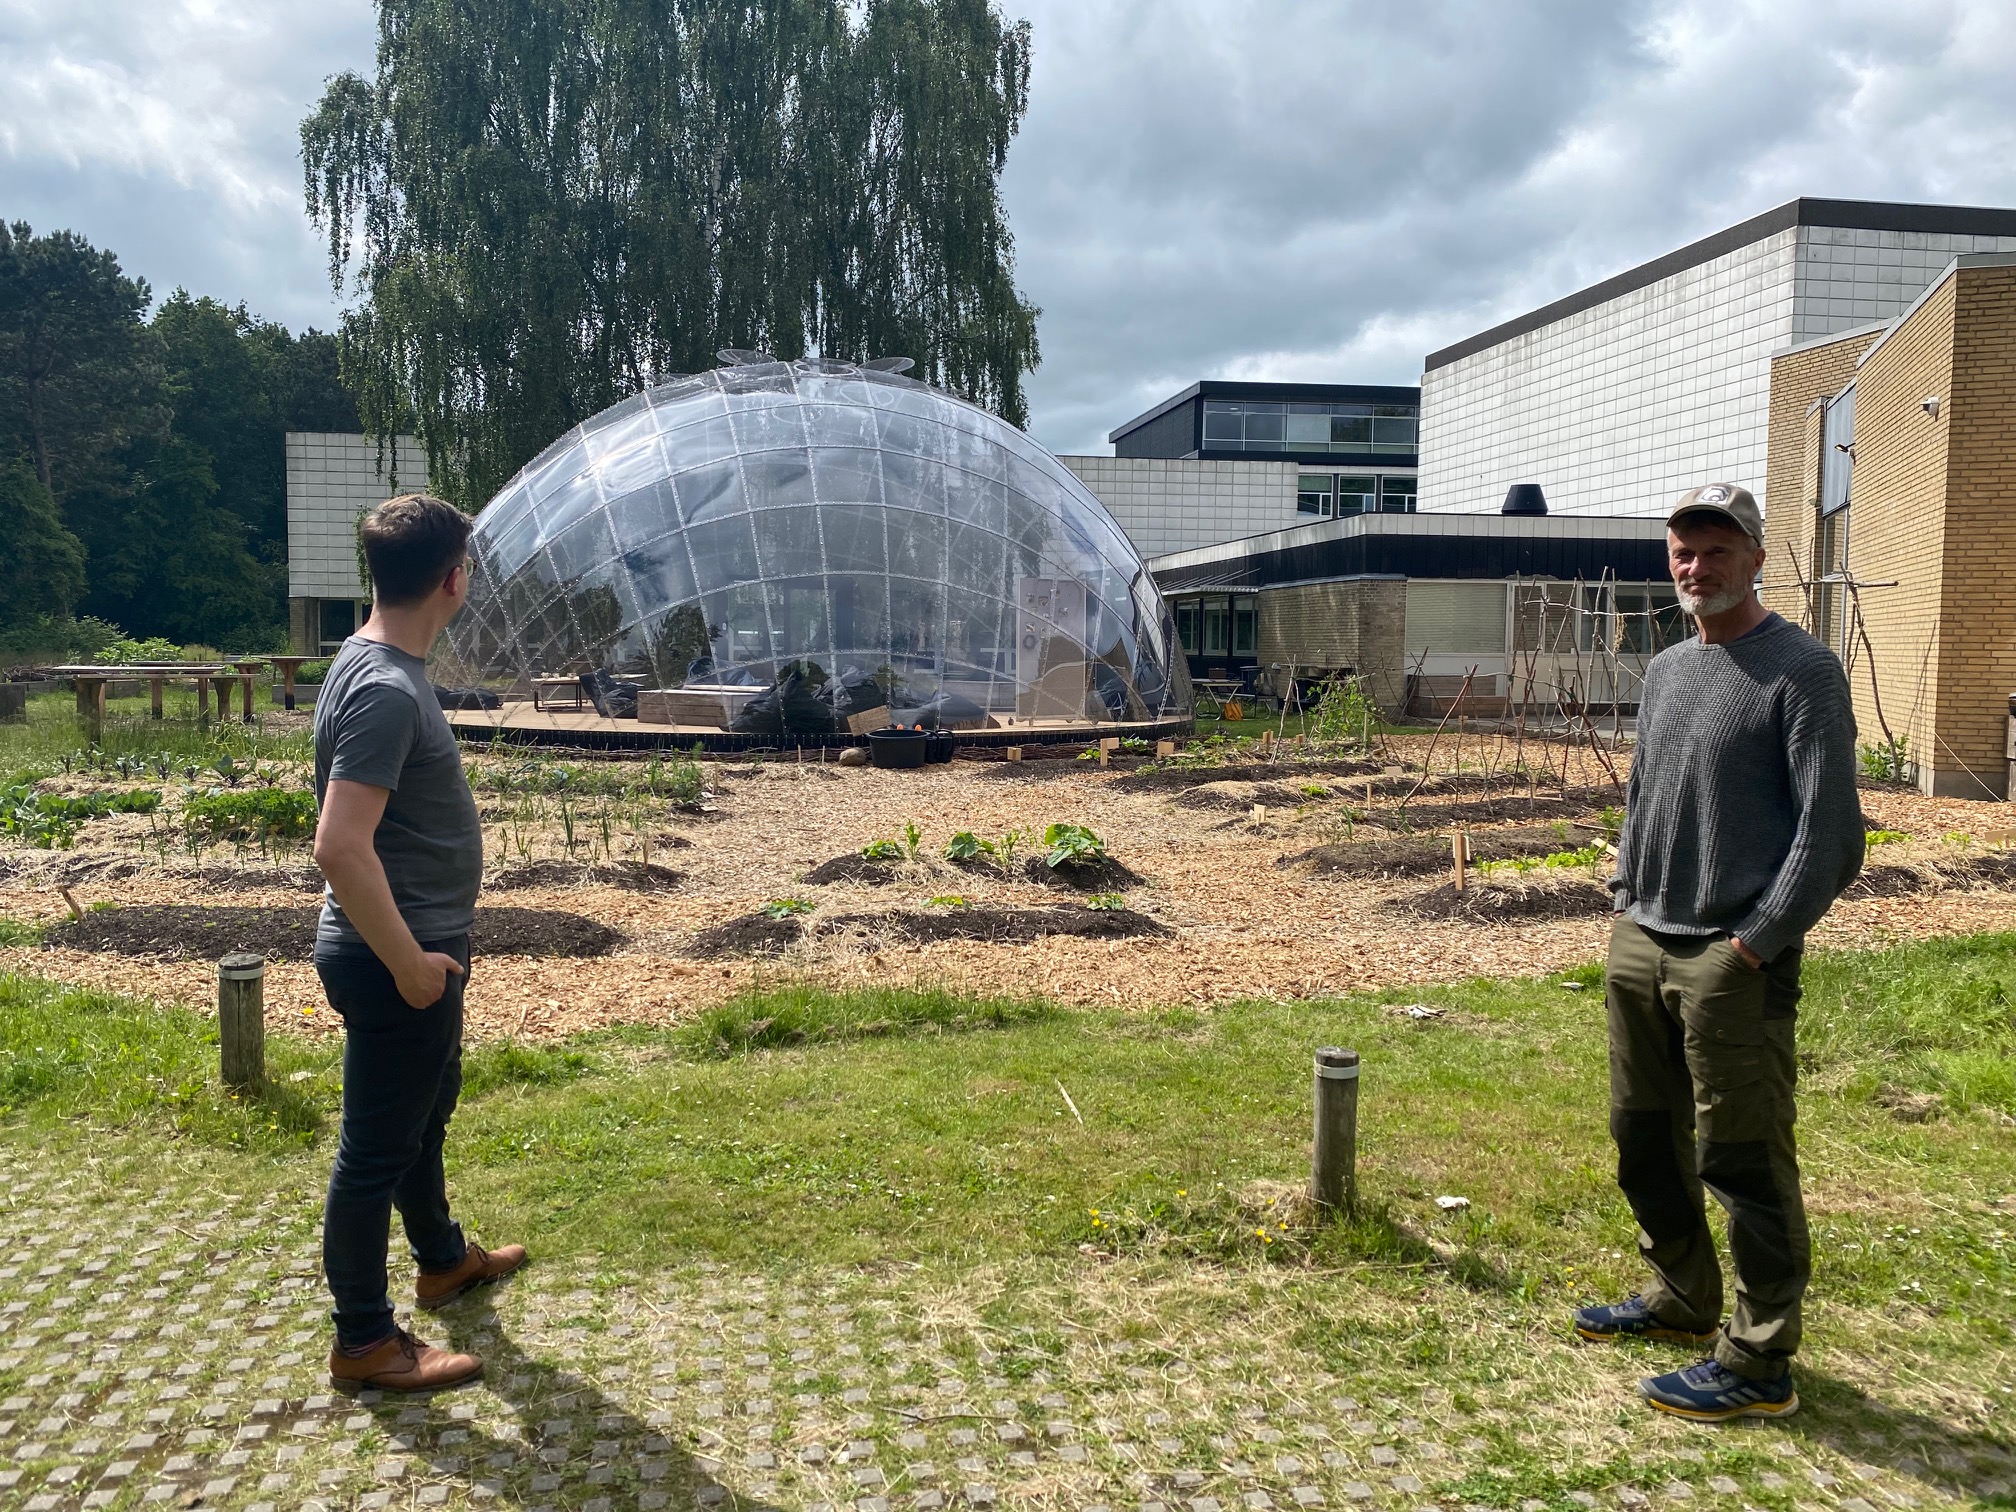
[[1170, 434], [1629, 559]]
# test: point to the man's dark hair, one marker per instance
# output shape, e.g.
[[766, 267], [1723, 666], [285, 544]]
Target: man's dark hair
[[411, 544]]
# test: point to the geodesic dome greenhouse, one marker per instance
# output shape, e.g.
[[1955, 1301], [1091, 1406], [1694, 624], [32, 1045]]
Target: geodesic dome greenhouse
[[840, 535]]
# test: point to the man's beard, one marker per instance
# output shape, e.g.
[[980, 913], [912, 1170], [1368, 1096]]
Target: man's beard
[[1714, 603]]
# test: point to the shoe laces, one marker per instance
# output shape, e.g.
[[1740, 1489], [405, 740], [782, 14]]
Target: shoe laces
[[1710, 1375]]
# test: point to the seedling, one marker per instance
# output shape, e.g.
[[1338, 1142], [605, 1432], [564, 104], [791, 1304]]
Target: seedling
[[1073, 845], [785, 908], [966, 846], [1005, 847], [949, 900], [882, 850], [1106, 902], [911, 835]]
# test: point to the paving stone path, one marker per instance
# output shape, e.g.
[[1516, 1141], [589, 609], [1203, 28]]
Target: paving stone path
[[162, 1351]]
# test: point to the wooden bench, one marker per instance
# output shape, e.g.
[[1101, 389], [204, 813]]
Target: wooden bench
[[546, 691]]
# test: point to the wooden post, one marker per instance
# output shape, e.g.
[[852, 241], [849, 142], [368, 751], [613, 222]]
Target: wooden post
[[1014, 753], [1333, 1170], [202, 701], [91, 707], [288, 667], [241, 1019], [1459, 852], [154, 692], [245, 688], [1168, 748]]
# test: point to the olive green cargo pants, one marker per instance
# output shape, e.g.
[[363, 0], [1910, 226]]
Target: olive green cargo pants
[[1702, 1068]]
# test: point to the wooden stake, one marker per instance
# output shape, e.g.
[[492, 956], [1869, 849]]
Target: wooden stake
[[1333, 1168], [241, 1019], [1459, 851]]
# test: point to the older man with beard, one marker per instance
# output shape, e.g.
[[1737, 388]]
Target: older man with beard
[[1741, 828]]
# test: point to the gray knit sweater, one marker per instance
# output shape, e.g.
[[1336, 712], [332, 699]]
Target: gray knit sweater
[[1742, 817]]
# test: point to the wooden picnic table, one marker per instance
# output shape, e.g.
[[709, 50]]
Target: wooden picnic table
[[92, 680], [289, 666]]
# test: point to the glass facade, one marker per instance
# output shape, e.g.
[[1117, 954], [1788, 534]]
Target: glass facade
[[1219, 624], [1276, 427], [1336, 494], [825, 525]]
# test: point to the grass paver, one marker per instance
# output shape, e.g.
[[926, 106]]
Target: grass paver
[[855, 1254]]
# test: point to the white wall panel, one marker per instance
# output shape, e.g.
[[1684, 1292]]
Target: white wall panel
[[332, 479]]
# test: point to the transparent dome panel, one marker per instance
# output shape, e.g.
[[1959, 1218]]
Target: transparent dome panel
[[812, 541]]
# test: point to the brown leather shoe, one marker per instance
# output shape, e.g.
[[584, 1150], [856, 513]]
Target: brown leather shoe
[[479, 1267], [402, 1363]]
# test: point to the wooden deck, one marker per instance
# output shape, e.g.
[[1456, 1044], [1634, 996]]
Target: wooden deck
[[521, 722]]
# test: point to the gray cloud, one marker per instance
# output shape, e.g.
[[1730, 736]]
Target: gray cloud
[[1316, 190]]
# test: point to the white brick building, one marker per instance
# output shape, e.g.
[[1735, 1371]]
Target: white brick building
[[1618, 398], [1173, 503], [332, 479]]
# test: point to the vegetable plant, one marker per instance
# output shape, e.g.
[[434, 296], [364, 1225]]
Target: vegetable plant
[[262, 814], [966, 846], [911, 836], [785, 908], [1073, 845], [881, 850], [1106, 902]]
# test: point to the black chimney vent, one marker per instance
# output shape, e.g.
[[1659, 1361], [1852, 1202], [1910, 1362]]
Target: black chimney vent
[[1524, 499]]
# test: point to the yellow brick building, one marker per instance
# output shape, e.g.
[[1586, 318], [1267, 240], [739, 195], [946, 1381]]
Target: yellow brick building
[[1891, 471]]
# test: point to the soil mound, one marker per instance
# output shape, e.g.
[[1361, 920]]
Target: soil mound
[[1496, 902], [1424, 855], [1102, 875], [637, 876], [853, 867], [186, 932], [745, 934], [1004, 926], [1179, 778]]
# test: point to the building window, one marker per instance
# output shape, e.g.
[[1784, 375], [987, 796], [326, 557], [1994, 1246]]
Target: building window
[[1630, 619], [1245, 624], [1396, 495], [1356, 495], [1218, 624], [1278, 426], [1312, 494]]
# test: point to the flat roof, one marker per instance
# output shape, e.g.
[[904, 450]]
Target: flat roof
[[1434, 523], [1847, 215], [1229, 388]]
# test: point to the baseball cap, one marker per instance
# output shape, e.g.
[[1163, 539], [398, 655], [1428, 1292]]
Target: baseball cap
[[1734, 504]]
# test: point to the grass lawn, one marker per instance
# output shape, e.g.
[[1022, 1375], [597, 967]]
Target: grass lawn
[[924, 1146]]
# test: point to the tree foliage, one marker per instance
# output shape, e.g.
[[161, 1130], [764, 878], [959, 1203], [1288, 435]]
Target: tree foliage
[[142, 464], [547, 206]]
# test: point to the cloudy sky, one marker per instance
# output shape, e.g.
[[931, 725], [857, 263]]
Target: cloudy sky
[[1203, 188]]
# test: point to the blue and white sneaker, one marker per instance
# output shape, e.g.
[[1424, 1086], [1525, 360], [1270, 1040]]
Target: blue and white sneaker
[[1632, 1319], [1710, 1392]]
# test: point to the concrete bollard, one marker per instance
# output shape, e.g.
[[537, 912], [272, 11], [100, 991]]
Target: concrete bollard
[[241, 1019], [1333, 1171]]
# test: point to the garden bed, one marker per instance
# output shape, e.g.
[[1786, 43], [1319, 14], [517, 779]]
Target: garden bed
[[180, 931], [853, 867], [1424, 855], [633, 876], [1536, 896]]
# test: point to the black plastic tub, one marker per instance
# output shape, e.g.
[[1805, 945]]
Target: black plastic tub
[[938, 746], [897, 749]]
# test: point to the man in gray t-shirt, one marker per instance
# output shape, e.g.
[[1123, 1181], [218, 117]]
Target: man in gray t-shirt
[[399, 842]]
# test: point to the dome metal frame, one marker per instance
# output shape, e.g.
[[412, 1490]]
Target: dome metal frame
[[829, 531]]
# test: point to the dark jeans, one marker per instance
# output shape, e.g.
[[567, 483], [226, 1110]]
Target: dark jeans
[[402, 1071]]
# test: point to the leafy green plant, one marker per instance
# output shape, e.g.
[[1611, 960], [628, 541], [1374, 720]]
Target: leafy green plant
[[1005, 847], [1882, 761], [949, 900], [882, 850], [967, 846], [785, 908], [1611, 821], [50, 821], [262, 814], [1314, 790], [1877, 837], [227, 769], [1073, 845], [1106, 902], [912, 835], [1343, 713]]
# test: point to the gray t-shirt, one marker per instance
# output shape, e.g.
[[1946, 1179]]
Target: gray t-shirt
[[378, 722]]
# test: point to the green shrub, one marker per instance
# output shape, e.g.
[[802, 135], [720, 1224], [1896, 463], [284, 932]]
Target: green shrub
[[261, 814], [1881, 762], [313, 672]]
